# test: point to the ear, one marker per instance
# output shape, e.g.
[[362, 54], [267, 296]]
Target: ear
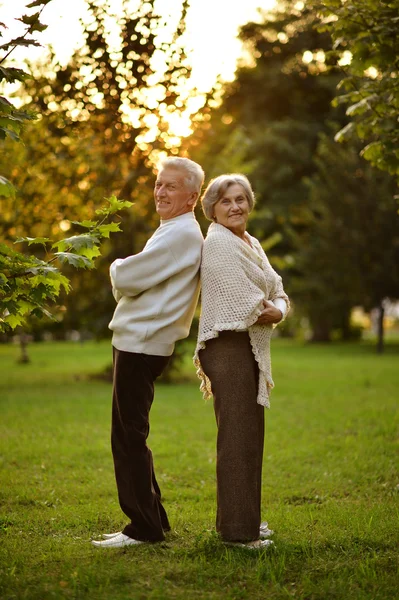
[[192, 199]]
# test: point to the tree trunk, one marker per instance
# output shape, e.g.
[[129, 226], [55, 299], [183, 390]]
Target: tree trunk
[[380, 329], [321, 331], [346, 331], [23, 345]]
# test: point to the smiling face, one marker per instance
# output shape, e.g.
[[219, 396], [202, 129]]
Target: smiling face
[[232, 209], [173, 197]]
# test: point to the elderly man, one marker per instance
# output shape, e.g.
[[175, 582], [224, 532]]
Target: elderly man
[[157, 292]]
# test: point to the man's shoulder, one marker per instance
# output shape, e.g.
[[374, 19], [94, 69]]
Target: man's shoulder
[[179, 229]]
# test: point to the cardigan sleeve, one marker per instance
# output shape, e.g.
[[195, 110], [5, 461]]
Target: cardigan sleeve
[[277, 294]]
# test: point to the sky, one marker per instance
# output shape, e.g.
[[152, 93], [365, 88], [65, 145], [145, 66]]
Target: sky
[[211, 40], [212, 27]]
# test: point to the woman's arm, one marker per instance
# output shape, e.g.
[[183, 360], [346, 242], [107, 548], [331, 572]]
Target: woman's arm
[[270, 314]]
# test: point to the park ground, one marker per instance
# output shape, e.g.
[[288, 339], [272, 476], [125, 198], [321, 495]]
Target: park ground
[[330, 484]]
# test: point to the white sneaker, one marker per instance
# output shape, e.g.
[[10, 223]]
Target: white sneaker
[[264, 531], [117, 541], [108, 536], [256, 545]]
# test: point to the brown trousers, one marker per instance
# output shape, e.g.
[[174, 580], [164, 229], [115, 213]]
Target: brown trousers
[[138, 490], [229, 363]]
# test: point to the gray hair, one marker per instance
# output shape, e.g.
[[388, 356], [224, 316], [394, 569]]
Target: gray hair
[[194, 174], [218, 186]]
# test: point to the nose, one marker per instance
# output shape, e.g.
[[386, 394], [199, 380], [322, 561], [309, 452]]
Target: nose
[[234, 206], [159, 191]]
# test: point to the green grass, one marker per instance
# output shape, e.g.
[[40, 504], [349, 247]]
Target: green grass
[[330, 492]]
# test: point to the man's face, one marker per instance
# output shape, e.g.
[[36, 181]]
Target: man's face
[[172, 196]]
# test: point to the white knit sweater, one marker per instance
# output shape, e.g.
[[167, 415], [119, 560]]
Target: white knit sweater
[[157, 289], [236, 279]]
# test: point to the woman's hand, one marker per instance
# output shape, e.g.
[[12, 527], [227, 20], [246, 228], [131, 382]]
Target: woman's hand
[[270, 314]]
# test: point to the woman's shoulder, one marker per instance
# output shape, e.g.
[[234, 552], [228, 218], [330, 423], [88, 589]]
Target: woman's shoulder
[[218, 238]]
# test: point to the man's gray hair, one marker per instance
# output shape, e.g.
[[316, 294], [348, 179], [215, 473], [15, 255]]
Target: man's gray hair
[[218, 186], [194, 174]]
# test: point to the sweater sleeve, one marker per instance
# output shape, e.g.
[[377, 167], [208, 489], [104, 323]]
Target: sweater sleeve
[[158, 262], [281, 304]]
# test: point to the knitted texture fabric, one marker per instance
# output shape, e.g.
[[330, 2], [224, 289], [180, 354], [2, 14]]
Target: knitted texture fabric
[[236, 279]]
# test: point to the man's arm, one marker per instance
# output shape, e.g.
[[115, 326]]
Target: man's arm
[[158, 262]]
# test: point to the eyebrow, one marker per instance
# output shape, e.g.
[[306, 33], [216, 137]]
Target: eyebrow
[[173, 182]]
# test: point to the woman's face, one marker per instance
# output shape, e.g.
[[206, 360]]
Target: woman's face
[[232, 209]]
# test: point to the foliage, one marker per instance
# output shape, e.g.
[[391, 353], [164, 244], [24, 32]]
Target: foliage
[[271, 116], [105, 121], [329, 485], [12, 119], [269, 123], [29, 283], [368, 30], [348, 254], [316, 202]]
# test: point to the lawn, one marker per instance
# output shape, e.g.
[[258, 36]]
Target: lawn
[[330, 484]]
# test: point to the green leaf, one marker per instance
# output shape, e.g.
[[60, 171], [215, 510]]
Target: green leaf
[[6, 250], [362, 106], [5, 106], [29, 19], [76, 242], [11, 122], [64, 282], [86, 224], [90, 253], [105, 230], [372, 152], [10, 74], [42, 269], [6, 188], [13, 320], [11, 134], [36, 240], [24, 115], [77, 261], [19, 41], [344, 133], [114, 205], [38, 27], [24, 307]]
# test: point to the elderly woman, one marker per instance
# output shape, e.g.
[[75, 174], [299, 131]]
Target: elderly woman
[[242, 299]]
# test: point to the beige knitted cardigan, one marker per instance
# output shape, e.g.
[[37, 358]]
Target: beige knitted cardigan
[[235, 280]]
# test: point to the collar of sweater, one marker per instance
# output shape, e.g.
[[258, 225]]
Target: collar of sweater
[[185, 217]]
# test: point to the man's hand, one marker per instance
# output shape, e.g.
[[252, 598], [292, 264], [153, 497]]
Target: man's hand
[[270, 314]]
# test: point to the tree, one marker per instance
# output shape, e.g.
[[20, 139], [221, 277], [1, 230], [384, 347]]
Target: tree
[[27, 282], [316, 201], [106, 115], [269, 123], [368, 31], [349, 253]]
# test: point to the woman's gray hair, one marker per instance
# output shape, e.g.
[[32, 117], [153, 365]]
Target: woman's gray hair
[[218, 186], [194, 174]]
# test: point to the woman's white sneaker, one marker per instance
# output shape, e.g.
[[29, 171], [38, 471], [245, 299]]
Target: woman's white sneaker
[[117, 541]]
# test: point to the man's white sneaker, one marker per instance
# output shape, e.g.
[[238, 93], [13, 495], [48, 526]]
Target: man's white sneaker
[[108, 536], [117, 541]]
